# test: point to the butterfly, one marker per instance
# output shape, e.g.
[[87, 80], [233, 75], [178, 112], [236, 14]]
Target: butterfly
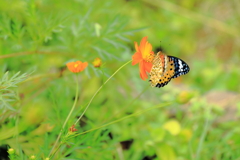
[[165, 68]]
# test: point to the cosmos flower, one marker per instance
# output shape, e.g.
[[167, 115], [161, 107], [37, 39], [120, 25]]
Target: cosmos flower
[[144, 56], [77, 66]]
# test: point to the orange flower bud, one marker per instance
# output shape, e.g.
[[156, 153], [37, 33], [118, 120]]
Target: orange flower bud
[[72, 128], [97, 62], [77, 66]]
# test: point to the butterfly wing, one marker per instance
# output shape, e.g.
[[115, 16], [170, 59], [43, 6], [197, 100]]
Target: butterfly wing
[[157, 69], [180, 67], [162, 70], [165, 68], [168, 73]]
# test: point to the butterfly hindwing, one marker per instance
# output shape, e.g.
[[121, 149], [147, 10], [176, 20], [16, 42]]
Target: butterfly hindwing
[[168, 73]]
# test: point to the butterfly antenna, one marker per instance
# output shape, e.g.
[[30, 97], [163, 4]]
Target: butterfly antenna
[[160, 48]]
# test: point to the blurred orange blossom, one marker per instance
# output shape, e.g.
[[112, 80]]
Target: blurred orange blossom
[[77, 66], [144, 56]]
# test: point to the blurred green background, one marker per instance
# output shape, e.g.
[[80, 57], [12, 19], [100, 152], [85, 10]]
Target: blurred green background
[[41, 36]]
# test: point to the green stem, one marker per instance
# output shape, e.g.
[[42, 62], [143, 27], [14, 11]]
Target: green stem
[[102, 75], [99, 90], [121, 119], [69, 115], [204, 134]]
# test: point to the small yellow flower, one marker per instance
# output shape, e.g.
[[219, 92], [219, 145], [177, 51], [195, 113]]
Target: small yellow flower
[[32, 157], [97, 62], [47, 158], [172, 126], [11, 151]]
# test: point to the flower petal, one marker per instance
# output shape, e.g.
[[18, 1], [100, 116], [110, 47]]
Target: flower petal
[[136, 46], [136, 58], [147, 66], [84, 65], [143, 73], [143, 43], [147, 49]]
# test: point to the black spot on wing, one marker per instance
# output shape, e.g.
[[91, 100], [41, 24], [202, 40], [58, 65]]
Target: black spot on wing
[[162, 84]]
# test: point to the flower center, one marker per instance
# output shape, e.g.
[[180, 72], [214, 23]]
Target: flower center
[[75, 65], [148, 57]]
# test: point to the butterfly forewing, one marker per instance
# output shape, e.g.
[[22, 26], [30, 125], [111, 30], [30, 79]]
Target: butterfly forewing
[[180, 67]]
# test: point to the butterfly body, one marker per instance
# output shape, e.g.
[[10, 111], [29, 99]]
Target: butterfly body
[[165, 68]]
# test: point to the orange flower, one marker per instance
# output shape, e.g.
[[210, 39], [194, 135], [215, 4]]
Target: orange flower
[[144, 56], [97, 62], [77, 66]]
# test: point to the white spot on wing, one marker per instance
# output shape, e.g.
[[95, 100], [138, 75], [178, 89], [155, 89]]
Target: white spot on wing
[[180, 64]]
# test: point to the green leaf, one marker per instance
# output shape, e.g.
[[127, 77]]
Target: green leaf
[[165, 152]]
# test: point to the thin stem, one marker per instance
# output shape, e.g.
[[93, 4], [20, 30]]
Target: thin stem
[[99, 90], [203, 136], [121, 119], [102, 74], [69, 115]]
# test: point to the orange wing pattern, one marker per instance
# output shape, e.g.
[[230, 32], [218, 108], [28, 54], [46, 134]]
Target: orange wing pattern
[[157, 69], [165, 68], [162, 70]]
